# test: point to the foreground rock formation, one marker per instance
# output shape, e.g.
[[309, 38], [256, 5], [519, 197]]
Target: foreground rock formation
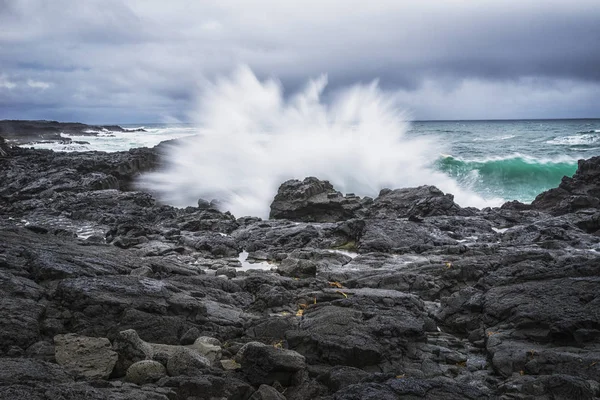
[[106, 294]]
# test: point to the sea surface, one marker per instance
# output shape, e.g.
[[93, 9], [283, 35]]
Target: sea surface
[[511, 160]]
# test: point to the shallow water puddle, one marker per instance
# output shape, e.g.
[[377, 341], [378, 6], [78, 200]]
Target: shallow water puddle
[[246, 265], [350, 254]]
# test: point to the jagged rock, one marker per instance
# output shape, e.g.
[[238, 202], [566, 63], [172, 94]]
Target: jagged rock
[[579, 192], [263, 364], [392, 236], [213, 243], [145, 371], [86, 356], [229, 272], [297, 268], [20, 322], [422, 201], [207, 219], [313, 200], [455, 302]]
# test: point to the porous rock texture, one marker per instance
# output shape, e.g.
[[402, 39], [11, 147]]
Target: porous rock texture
[[405, 296]]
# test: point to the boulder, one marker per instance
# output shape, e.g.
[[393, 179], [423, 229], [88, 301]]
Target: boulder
[[190, 336], [132, 349], [145, 371], [297, 268], [87, 356], [313, 200]]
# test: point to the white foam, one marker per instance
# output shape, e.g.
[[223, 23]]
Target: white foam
[[468, 239], [111, 141], [517, 156], [494, 138], [588, 138], [255, 138], [85, 231], [63, 147]]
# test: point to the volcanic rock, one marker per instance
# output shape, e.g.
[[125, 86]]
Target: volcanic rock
[[405, 296], [582, 191], [312, 200], [86, 356]]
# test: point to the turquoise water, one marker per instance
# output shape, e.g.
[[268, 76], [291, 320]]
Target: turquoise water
[[513, 160]]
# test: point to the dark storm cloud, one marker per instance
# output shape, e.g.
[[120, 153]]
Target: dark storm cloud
[[139, 60]]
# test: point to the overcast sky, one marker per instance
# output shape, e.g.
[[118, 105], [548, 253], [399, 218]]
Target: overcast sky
[[144, 60]]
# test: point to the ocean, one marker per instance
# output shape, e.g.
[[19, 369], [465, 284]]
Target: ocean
[[513, 160], [507, 160]]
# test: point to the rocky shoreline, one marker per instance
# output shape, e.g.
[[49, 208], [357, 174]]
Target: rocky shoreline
[[107, 294], [22, 132]]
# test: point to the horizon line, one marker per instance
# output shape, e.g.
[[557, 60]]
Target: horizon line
[[410, 121]]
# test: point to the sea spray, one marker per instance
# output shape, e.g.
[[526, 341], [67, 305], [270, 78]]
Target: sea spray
[[251, 138]]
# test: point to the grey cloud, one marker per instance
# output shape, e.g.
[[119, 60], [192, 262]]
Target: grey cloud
[[146, 59]]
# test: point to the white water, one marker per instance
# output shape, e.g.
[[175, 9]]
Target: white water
[[112, 141], [253, 139], [585, 139]]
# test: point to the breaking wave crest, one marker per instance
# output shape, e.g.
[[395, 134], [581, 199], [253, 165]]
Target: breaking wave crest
[[251, 138], [513, 177]]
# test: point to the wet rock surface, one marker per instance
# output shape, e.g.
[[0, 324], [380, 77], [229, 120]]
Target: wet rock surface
[[407, 295]]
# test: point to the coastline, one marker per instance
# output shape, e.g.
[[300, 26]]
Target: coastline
[[433, 300]]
